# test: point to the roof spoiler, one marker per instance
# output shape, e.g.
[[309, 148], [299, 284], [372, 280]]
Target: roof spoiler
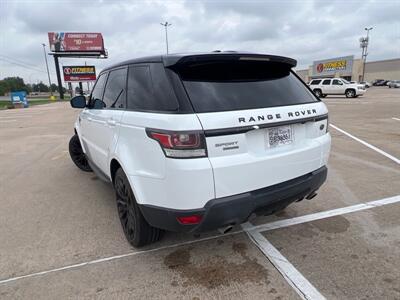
[[178, 61]]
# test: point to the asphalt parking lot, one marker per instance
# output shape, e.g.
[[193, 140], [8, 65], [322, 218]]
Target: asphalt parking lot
[[60, 235]]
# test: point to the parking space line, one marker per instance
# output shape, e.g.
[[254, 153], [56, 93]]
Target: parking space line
[[397, 119], [395, 159], [296, 280], [326, 214], [105, 259], [249, 228]]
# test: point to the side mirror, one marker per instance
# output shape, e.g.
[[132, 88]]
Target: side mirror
[[78, 102]]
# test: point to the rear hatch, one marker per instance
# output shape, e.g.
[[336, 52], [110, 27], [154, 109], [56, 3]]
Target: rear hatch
[[261, 122]]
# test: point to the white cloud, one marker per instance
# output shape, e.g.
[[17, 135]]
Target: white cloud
[[304, 30]]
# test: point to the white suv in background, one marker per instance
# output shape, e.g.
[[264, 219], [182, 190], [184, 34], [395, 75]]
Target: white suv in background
[[336, 86], [201, 141]]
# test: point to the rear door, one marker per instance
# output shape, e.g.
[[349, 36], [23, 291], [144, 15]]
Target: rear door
[[337, 87], [327, 87], [105, 119], [261, 123]]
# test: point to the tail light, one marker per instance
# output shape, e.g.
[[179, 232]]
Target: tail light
[[180, 144], [190, 220]]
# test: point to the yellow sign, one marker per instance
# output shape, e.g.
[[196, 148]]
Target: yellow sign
[[332, 66]]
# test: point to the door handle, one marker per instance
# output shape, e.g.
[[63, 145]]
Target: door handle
[[111, 123]]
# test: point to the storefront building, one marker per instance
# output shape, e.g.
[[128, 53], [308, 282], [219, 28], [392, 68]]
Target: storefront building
[[351, 69]]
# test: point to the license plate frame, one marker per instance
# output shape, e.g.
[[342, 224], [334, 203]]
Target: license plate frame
[[280, 136]]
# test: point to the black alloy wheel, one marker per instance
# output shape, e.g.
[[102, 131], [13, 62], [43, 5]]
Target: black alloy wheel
[[136, 229], [77, 154], [317, 93]]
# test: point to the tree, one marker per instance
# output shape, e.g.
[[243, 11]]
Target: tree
[[12, 84], [54, 87], [40, 87]]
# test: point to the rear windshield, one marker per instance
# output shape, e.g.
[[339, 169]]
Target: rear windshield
[[226, 86]]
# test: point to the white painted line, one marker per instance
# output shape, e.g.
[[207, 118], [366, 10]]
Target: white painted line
[[264, 227], [100, 260], [5, 121], [326, 214], [395, 159], [397, 119], [298, 282]]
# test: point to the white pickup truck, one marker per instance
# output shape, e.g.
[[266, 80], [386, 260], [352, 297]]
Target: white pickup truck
[[336, 86]]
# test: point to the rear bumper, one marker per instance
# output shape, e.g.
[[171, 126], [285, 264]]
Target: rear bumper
[[360, 92], [237, 209]]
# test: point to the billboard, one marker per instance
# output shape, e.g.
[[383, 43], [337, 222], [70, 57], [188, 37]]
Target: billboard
[[79, 73], [340, 65], [76, 42]]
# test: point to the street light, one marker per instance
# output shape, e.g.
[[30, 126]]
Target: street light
[[364, 45], [47, 66], [166, 24]]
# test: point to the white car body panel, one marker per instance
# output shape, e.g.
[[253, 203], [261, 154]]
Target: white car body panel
[[252, 164]]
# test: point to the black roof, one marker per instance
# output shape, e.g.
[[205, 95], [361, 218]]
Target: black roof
[[184, 58]]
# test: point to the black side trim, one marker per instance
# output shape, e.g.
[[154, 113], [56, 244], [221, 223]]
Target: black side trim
[[244, 129], [99, 173]]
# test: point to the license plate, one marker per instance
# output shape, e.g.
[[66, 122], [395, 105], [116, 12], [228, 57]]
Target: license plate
[[279, 136]]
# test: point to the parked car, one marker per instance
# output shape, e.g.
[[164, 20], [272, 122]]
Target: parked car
[[336, 86], [195, 142], [379, 82], [394, 84], [366, 84]]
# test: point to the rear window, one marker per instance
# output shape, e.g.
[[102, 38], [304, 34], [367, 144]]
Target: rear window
[[326, 82], [227, 86], [315, 81], [149, 89]]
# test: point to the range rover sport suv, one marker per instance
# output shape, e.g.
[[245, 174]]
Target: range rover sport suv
[[196, 142]]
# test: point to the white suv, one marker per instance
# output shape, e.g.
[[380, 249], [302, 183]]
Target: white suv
[[201, 141], [336, 86]]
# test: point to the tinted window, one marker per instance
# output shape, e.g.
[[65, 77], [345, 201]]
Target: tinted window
[[315, 81], [114, 94], [97, 92], [149, 89], [326, 82], [336, 82], [243, 85]]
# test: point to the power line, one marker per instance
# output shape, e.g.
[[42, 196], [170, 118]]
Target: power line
[[18, 60], [22, 65]]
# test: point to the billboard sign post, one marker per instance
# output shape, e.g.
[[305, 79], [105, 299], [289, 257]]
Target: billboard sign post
[[76, 42], [76, 45]]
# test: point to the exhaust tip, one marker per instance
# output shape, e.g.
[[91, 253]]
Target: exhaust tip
[[226, 229], [311, 195]]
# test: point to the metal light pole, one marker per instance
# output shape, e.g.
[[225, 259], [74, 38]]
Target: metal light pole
[[364, 45], [47, 66], [166, 24]]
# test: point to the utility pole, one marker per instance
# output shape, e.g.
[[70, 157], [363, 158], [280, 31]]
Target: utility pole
[[47, 67], [166, 25], [364, 45]]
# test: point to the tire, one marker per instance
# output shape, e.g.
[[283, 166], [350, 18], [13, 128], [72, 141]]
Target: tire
[[317, 93], [77, 155], [350, 93], [136, 229]]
